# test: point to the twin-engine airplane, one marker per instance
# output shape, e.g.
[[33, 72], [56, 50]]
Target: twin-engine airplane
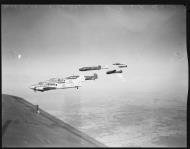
[[94, 77], [114, 71], [119, 65], [62, 83]]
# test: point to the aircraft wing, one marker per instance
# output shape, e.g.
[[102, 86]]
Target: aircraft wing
[[49, 88], [23, 127]]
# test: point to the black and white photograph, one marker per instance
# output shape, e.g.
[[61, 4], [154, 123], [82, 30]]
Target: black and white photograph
[[94, 75]]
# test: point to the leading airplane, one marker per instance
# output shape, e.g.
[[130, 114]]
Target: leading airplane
[[116, 66], [120, 65], [74, 81], [114, 71]]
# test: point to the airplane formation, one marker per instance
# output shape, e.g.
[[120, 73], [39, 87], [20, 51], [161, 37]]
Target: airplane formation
[[74, 81]]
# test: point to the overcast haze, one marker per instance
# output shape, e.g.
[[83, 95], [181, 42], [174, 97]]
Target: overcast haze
[[41, 42]]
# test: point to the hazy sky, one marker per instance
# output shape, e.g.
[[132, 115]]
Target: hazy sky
[[146, 102], [40, 42]]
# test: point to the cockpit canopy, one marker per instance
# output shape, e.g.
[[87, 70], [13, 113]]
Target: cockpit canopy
[[56, 80], [42, 83]]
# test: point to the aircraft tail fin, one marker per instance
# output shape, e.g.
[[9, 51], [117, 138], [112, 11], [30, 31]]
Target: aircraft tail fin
[[95, 76]]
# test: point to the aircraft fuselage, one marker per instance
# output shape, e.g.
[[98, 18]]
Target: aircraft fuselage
[[70, 82], [90, 68], [114, 71]]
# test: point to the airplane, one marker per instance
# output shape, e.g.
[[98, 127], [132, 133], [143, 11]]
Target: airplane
[[120, 65], [95, 76], [92, 68], [116, 65], [114, 71], [59, 83], [73, 81]]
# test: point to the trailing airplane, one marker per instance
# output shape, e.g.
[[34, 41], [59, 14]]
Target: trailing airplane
[[94, 77], [120, 65], [73, 81], [114, 71]]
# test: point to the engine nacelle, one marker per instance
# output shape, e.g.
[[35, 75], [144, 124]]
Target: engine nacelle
[[40, 88]]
